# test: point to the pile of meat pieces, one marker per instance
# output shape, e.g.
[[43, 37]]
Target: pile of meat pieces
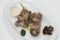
[[26, 18], [48, 30], [23, 18], [35, 23]]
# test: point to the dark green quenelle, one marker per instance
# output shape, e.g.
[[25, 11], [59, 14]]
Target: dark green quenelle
[[23, 32]]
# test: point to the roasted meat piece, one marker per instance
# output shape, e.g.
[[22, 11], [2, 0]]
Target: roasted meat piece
[[23, 18], [35, 20], [34, 29], [48, 30]]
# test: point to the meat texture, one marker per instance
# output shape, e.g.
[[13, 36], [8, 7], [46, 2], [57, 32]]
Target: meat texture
[[23, 18], [35, 20]]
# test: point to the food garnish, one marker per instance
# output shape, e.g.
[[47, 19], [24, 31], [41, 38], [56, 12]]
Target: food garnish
[[14, 11], [23, 32]]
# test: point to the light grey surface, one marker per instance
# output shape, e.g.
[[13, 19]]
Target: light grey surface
[[54, 12]]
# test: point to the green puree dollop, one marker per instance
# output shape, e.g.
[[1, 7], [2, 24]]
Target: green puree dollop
[[23, 32]]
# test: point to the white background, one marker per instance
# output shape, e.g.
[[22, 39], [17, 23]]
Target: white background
[[5, 35]]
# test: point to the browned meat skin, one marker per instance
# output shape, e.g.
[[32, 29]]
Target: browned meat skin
[[35, 19], [34, 29], [48, 30], [23, 18]]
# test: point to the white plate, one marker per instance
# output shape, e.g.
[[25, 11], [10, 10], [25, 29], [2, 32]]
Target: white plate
[[9, 22]]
